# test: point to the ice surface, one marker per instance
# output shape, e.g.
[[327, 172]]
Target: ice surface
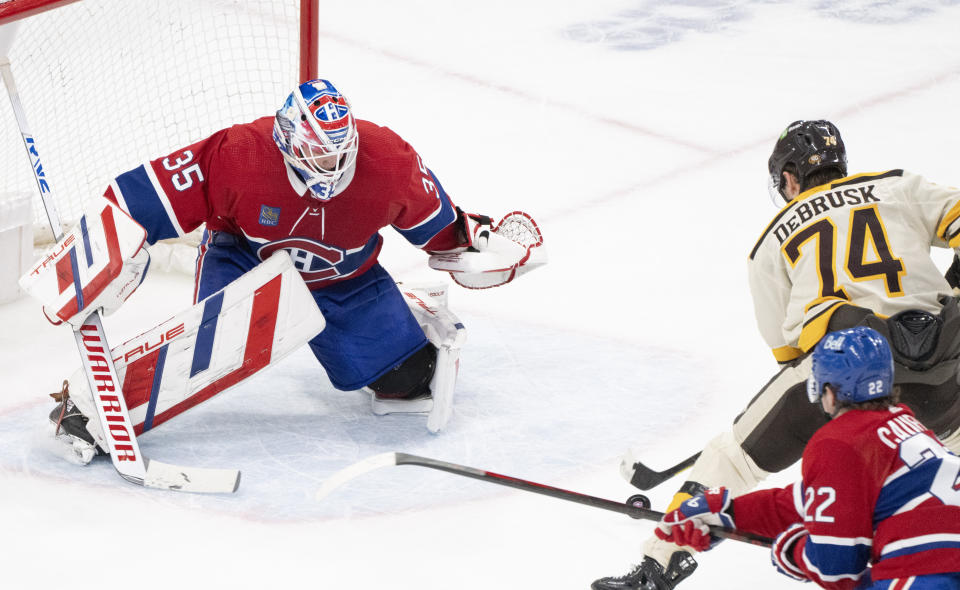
[[636, 133]]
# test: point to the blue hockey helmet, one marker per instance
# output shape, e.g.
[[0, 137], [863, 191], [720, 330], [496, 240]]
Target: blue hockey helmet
[[856, 363], [317, 135]]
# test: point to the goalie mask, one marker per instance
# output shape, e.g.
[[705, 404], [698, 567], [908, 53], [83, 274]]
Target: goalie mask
[[317, 135]]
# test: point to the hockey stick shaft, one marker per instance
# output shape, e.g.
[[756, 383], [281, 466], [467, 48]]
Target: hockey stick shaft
[[98, 365], [528, 486], [49, 204], [647, 479], [91, 339], [561, 494], [637, 512]]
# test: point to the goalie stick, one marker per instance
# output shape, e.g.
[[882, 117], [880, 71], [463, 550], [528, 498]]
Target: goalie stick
[[99, 367], [645, 478], [630, 508]]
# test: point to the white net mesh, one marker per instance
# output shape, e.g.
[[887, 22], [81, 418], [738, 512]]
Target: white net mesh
[[107, 84]]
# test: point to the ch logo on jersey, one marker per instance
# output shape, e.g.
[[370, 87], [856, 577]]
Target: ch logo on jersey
[[315, 261]]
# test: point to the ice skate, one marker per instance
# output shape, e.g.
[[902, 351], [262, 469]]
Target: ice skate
[[70, 428], [650, 575]]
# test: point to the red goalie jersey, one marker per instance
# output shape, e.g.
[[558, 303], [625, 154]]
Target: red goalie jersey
[[236, 181], [878, 488]]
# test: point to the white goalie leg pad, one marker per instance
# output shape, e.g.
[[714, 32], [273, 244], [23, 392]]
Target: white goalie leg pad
[[421, 405], [442, 386], [447, 333], [253, 322]]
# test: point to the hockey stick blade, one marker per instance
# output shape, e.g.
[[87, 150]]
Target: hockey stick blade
[[198, 480], [356, 470], [632, 511], [645, 478]]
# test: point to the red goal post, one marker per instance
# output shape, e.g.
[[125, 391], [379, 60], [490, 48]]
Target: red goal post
[[107, 84]]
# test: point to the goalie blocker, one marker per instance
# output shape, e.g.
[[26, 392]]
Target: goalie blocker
[[97, 265]]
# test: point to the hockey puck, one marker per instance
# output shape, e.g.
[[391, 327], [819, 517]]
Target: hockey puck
[[638, 501]]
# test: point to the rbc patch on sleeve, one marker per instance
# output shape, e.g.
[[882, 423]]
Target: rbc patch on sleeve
[[269, 215]]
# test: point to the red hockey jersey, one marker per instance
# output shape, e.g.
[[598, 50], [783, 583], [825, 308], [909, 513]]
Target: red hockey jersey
[[236, 181], [878, 488]]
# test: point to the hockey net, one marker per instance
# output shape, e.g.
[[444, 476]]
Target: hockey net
[[108, 84]]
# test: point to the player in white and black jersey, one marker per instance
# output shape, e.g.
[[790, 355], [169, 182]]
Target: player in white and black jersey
[[845, 250]]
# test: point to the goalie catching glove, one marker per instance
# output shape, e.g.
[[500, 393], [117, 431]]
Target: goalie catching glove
[[689, 523], [495, 254], [97, 265]]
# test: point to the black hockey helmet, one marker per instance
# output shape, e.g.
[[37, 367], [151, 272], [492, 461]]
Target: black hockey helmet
[[809, 146]]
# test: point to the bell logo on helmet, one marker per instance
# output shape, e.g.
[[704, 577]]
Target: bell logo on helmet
[[833, 342]]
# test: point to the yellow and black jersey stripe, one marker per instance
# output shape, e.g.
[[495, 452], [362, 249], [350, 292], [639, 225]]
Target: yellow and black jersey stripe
[[815, 327], [949, 228], [846, 181]]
